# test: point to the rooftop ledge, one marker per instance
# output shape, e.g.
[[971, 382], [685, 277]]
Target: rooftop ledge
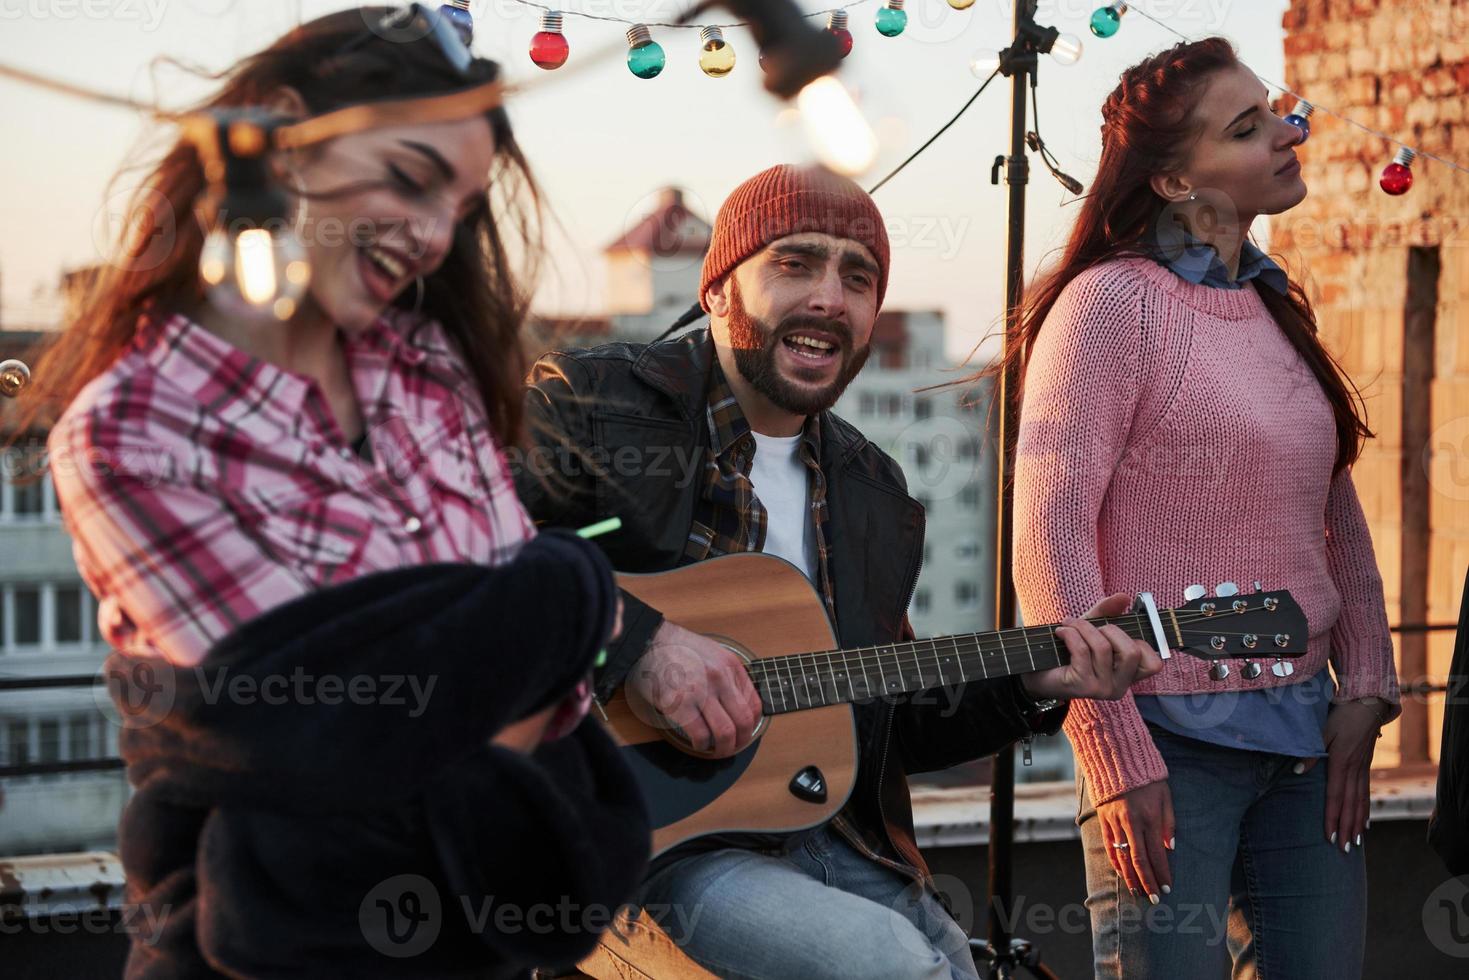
[[960, 816], [57, 884]]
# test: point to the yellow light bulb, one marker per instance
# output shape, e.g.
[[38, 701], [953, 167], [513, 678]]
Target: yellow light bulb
[[255, 266], [716, 56]]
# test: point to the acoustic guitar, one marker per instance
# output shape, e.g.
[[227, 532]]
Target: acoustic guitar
[[799, 769]]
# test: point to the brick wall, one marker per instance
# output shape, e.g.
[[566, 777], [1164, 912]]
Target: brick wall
[[1400, 66]]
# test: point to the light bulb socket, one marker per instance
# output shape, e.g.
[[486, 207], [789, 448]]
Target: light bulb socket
[[711, 33], [1120, 7], [232, 145], [894, 4], [837, 21], [1405, 156], [461, 4], [1303, 109], [551, 21], [639, 35]]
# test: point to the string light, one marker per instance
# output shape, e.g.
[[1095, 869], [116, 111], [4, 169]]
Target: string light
[[892, 18], [1300, 117], [644, 55], [1397, 177], [836, 23], [1067, 49], [252, 263], [1106, 20], [548, 46], [961, 4], [838, 133], [716, 57], [457, 13], [14, 376]]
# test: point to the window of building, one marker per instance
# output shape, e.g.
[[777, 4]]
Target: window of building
[[969, 497], [868, 404], [920, 455], [967, 550], [966, 594], [26, 603], [922, 408], [68, 614], [18, 741], [920, 601], [49, 749], [79, 738]]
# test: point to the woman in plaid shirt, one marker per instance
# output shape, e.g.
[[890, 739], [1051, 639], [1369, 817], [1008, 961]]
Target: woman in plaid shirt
[[212, 469]]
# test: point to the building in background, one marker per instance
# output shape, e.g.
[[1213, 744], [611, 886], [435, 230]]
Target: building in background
[[1389, 277], [48, 628]]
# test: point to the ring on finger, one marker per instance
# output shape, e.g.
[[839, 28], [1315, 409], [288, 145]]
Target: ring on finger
[[1122, 845]]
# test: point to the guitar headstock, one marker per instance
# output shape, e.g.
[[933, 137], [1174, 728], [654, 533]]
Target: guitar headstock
[[1230, 625]]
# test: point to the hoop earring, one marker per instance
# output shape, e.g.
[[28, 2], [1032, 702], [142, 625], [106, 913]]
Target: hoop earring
[[299, 186], [418, 300]]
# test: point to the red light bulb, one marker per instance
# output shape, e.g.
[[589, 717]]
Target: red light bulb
[[837, 25], [1397, 176], [548, 48]]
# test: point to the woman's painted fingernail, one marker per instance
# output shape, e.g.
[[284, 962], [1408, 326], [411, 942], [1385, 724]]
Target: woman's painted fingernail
[[1359, 840], [1172, 843], [1369, 823], [1333, 837], [1153, 899], [1347, 848], [1167, 889], [1298, 768]]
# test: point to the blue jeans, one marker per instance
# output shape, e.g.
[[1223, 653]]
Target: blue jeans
[[815, 909], [1255, 881]]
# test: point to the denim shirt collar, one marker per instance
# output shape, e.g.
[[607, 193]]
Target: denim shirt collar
[[1198, 263]]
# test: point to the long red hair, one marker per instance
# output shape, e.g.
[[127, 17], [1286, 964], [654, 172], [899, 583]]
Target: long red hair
[[1147, 125]]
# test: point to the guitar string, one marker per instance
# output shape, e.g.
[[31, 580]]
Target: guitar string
[[805, 664], [881, 653]]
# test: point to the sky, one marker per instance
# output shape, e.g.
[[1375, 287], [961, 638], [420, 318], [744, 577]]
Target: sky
[[601, 141]]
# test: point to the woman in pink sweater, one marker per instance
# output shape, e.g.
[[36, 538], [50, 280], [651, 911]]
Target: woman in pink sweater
[[1181, 423]]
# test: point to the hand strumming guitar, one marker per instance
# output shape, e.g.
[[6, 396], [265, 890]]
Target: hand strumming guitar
[[698, 686]]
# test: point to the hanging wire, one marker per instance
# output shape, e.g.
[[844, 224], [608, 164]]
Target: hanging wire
[[683, 22], [1133, 8], [928, 142]]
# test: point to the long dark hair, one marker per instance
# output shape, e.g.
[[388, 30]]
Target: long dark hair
[[475, 294], [1147, 123]]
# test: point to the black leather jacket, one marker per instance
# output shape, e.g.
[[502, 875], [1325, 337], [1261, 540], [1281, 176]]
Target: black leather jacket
[[638, 413]]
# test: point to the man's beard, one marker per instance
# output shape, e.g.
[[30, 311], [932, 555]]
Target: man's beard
[[755, 346]]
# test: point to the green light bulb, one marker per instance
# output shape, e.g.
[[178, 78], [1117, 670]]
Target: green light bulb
[[644, 55], [891, 19]]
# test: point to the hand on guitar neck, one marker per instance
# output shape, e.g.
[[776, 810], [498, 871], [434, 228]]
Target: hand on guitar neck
[[1104, 662]]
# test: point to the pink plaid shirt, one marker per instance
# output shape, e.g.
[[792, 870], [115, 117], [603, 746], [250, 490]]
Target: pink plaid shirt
[[203, 486]]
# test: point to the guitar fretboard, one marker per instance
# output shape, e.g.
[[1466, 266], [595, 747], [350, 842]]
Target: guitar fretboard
[[794, 682]]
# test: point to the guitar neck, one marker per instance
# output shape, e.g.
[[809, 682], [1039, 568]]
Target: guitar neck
[[797, 681]]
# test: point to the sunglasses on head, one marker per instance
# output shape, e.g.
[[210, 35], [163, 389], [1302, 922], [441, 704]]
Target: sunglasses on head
[[419, 22]]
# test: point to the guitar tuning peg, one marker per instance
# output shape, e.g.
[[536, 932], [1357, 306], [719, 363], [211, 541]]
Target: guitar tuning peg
[[1252, 670], [1194, 592], [1226, 589], [1283, 668], [1219, 671], [1258, 587]]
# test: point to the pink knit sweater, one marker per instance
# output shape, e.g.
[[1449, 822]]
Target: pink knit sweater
[[1171, 435]]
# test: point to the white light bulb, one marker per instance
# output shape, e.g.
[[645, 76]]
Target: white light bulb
[[1067, 49], [838, 133], [984, 62], [257, 273]]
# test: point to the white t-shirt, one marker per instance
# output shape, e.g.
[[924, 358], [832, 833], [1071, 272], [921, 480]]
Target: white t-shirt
[[782, 483]]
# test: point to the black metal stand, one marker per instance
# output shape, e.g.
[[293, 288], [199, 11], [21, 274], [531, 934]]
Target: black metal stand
[[1001, 955]]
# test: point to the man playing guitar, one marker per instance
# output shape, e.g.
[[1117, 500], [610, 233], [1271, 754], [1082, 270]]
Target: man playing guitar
[[722, 441]]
